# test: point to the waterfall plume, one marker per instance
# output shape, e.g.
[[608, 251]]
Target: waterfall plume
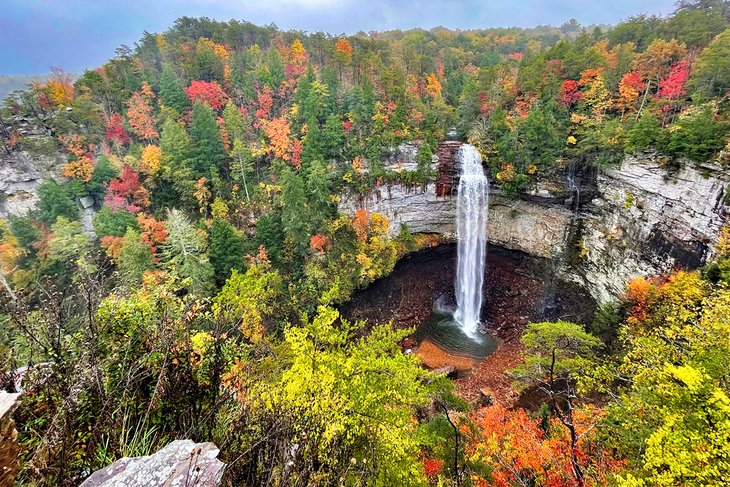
[[472, 205]]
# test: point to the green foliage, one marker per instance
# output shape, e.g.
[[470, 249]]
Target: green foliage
[[184, 254], [644, 133], [206, 149], [56, 200], [226, 249], [355, 398], [114, 223], [696, 135], [712, 70], [134, 259], [171, 91], [251, 300]]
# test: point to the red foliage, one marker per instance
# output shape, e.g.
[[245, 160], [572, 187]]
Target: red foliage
[[115, 131], [569, 93], [674, 85], [432, 466], [127, 192], [264, 102], [209, 93], [517, 56]]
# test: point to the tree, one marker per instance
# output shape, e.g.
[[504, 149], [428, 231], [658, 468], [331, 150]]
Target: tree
[[115, 131], [134, 258], [184, 254], [294, 214], [139, 113], [171, 91], [56, 200], [356, 398], [109, 222], [68, 240], [226, 249], [207, 149], [675, 396], [126, 192], [711, 75], [209, 93], [251, 300], [557, 354]]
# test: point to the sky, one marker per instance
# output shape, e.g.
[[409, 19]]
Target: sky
[[76, 34]]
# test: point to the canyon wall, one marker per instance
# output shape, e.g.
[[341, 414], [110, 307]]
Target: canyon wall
[[638, 218]]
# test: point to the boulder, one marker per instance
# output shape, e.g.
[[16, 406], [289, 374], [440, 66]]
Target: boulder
[[182, 462]]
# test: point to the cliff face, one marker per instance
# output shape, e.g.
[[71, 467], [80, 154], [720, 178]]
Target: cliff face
[[646, 220], [640, 219]]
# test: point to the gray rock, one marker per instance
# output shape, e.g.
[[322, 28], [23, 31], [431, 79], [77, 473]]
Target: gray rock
[[643, 221], [181, 463]]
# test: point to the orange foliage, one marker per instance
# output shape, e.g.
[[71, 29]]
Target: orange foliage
[[139, 113], [277, 130], [517, 451], [640, 294], [153, 232], [361, 222], [344, 50], [82, 169], [318, 243], [112, 245]]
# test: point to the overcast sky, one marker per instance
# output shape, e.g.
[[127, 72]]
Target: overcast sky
[[76, 34]]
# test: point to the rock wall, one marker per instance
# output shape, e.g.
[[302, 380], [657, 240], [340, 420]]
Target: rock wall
[[635, 219], [647, 220], [20, 175]]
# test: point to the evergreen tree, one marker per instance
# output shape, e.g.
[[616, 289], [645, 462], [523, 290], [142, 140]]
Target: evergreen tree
[[171, 90], [56, 200], [294, 214], [207, 149], [184, 254], [319, 189], [270, 235], [176, 180], [226, 249]]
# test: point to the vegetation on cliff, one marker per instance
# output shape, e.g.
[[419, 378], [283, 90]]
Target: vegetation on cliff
[[203, 304]]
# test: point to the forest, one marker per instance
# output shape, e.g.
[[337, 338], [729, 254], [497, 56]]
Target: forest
[[201, 298]]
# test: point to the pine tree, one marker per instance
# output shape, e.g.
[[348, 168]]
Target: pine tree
[[184, 255], [226, 249], [295, 214], [207, 147], [171, 90]]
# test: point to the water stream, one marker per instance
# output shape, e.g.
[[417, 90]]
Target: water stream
[[471, 230]]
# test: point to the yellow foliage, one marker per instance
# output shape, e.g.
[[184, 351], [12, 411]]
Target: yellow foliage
[[151, 160]]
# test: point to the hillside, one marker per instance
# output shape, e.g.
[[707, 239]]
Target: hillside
[[187, 230]]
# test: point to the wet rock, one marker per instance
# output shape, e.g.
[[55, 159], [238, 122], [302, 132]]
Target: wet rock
[[180, 463]]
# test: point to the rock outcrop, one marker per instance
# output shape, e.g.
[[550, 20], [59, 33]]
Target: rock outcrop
[[637, 219], [181, 463], [20, 175], [647, 220]]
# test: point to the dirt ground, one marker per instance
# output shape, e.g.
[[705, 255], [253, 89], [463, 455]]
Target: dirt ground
[[516, 293]]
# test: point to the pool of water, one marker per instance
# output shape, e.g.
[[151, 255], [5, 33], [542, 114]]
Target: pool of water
[[446, 333]]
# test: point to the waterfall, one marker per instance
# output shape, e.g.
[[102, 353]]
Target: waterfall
[[472, 205]]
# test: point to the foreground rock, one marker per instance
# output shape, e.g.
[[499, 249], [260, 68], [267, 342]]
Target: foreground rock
[[9, 448], [180, 463]]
